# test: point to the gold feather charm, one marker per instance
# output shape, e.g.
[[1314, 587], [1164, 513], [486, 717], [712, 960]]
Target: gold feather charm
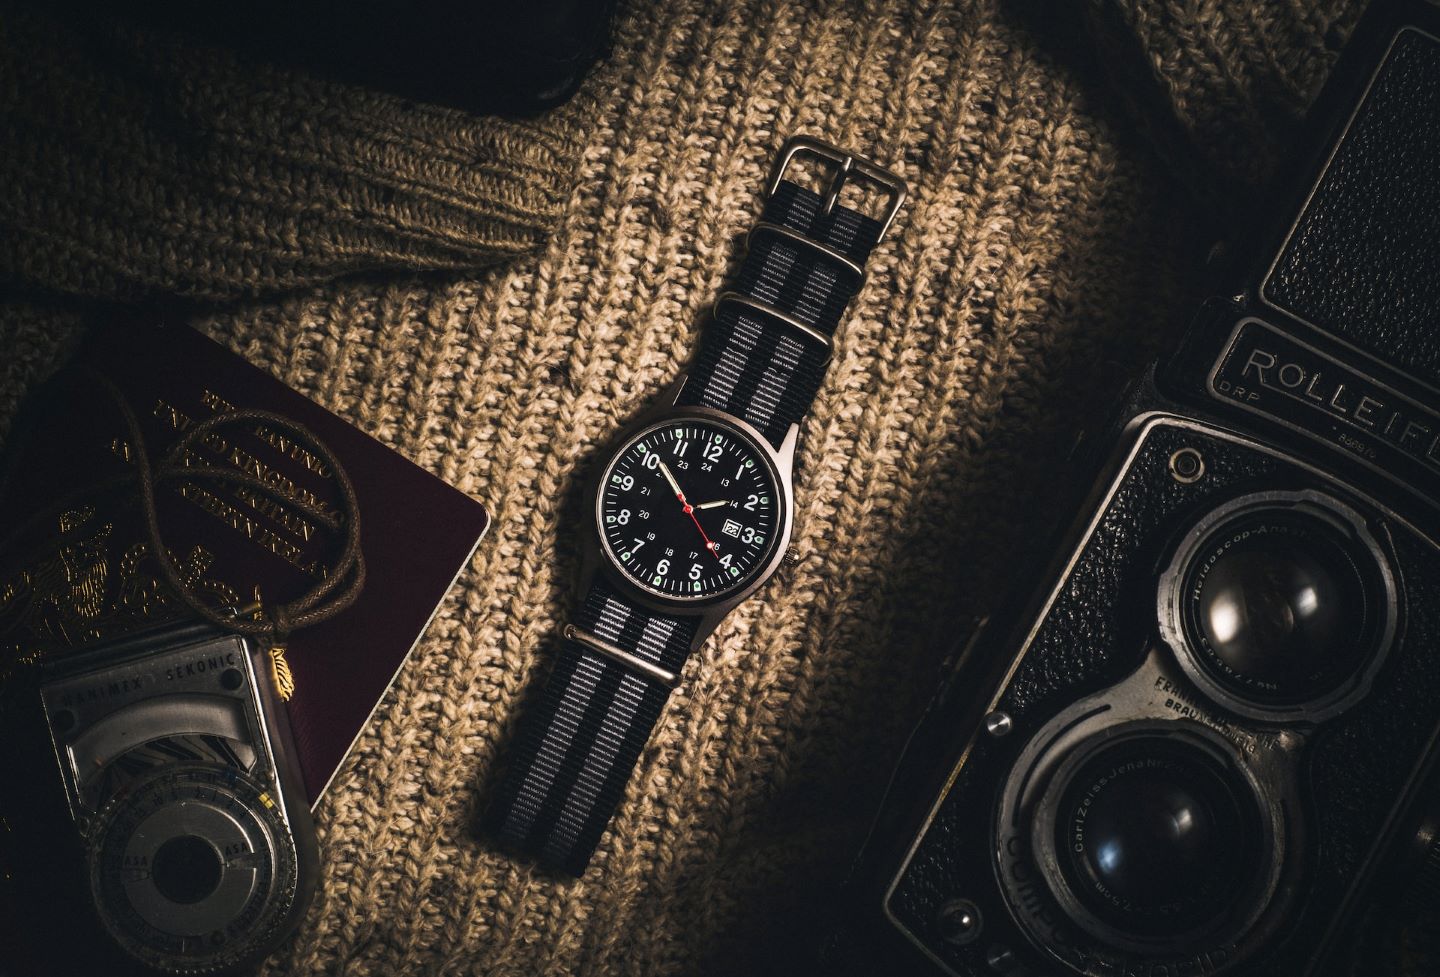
[[280, 672]]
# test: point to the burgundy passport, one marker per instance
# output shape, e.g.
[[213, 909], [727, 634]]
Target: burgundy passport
[[232, 543]]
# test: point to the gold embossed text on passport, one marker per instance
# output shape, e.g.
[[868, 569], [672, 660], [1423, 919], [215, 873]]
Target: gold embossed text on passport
[[260, 519]]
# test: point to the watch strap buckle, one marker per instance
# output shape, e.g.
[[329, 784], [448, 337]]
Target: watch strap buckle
[[845, 167]]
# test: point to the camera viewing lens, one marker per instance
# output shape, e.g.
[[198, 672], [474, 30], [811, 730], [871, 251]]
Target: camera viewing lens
[[1157, 835], [1277, 608], [186, 869]]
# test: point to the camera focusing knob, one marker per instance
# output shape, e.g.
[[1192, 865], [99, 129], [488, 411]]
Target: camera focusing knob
[[960, 922], [1411, 892]]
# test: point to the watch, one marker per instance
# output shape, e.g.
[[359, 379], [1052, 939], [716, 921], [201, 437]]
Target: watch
[[692, 510]]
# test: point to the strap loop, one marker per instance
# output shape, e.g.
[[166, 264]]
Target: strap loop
[[856, 272], [778, 315], [635, 663]]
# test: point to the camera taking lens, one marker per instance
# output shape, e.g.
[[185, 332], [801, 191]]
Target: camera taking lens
[[1155, 838], [1157, 835]]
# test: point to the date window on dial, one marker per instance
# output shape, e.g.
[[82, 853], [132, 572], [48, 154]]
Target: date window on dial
[[731, 528]]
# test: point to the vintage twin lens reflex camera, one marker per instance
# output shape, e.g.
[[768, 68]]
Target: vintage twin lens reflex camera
[[1203, 744], [198, 854]]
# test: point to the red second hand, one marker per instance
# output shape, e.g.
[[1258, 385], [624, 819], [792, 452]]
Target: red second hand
[[690, 511]]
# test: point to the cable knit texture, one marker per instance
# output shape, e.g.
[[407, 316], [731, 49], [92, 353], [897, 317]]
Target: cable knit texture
[[1039, 261], [1219, 87], [138, 165]]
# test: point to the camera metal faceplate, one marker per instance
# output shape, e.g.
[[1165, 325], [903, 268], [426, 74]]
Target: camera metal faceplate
[[1354, 769], [1313, 387], [102, 703]]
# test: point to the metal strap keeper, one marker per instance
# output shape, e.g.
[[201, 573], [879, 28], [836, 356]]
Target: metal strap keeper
[[620, 656], [778, 315], [857, 274]]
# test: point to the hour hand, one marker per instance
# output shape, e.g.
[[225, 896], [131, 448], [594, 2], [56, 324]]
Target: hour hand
[[665, 470], [711, 505]]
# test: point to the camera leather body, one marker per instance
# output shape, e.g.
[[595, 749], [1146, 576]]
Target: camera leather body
[[1236, 636], [1344, 269]]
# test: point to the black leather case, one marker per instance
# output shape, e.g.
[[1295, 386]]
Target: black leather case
[[1359, 263]]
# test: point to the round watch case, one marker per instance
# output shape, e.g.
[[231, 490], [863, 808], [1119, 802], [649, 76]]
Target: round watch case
[[778, 466]]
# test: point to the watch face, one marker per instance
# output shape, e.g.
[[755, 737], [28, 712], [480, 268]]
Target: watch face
[[690, 509]]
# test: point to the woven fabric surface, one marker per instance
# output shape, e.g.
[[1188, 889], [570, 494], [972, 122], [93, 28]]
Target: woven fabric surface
[[1038, 263], [139, 165]]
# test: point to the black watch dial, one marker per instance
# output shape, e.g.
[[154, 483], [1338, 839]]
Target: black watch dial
[[690, 509]]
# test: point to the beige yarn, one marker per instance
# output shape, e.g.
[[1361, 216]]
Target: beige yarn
[[137, 165], [1037, 265]]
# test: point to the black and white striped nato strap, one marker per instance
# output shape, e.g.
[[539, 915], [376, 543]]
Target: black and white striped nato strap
[[576, 749], [763, 359], [765, 352]]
